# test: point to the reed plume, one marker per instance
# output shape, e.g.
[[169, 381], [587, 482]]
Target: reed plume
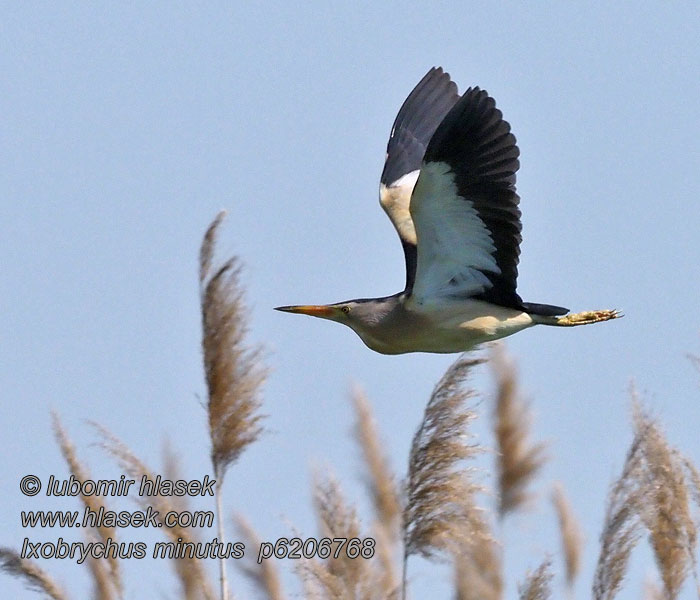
[[440, 492], [108, 583], [666, 511], [234, 372], [187, 569], [102, 584], [264, 576], [653, 493], [387, 579], [570, 533], [478, 571], [622, 527], [34, 577], [537, 585], [382, 488], [338, 519], [693, 479], [440, 516], [340, 577], [519, 460], [380, 480], [188, 577]]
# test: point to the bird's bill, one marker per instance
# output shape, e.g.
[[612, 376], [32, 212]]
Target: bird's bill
[[323, 311]]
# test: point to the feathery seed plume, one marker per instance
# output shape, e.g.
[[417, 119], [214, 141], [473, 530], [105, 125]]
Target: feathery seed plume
[[234, 373], [264, 575], [34, 577], [538, 583], [110, 584], [518, 459], [570, 532]]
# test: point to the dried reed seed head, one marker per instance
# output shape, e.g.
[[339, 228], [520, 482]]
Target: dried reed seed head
[[189, 576], [519, 460], [94, 502], [380, 480], [126, 459], [537, 586], [172, 471], [320, 583], [621, 529], [385, 560], [335, 515], [33, 576], [666, 510], [234, 372], [341, 576], [137, 469], [440, 491], [651, 492], [264, 576], [337, 519], [188, 571], [470, 583], [379, 579], [102, 584], [570, 532], [693, 479], [206, 251], [477, 564]]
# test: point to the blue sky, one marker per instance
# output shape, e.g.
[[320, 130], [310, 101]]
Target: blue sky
[[126, 128]]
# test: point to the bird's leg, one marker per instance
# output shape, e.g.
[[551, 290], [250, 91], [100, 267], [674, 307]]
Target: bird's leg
[[582, 318]]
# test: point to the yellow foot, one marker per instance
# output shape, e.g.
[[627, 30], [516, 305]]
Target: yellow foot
[[589, 316]]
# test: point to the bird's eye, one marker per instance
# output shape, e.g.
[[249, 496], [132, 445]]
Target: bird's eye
[[345, 309]]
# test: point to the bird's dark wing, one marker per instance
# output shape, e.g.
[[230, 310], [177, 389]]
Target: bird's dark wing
[[465, 209], [418, 118]]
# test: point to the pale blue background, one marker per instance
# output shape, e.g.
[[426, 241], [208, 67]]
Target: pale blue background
[[125, 128]]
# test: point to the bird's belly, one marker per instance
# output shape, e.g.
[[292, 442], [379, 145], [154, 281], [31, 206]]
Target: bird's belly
[[451, 329]]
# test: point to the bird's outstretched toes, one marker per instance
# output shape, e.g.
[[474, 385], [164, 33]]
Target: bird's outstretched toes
[[585, 318]]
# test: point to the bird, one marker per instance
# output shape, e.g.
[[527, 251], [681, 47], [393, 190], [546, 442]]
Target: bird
[[448, 187]]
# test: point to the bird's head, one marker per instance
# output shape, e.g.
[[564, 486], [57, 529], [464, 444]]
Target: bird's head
[[370, 318], [360, 315], [342, 312]]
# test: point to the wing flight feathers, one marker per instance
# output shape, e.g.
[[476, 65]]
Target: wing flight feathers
[[415, 123], [465, 209]]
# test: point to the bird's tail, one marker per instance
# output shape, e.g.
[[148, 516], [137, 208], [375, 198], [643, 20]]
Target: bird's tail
[[545, 310], [581, 318]]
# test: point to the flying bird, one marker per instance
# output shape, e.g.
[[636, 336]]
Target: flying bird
[[448, 186]]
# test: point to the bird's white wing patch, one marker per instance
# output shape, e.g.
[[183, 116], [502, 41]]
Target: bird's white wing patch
[[395, 199], [455, 248]]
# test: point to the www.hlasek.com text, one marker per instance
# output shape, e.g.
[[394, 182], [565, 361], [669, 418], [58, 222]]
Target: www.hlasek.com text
[[110, 518]]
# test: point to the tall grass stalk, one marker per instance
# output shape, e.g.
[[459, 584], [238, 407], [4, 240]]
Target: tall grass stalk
[[234, 372]]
